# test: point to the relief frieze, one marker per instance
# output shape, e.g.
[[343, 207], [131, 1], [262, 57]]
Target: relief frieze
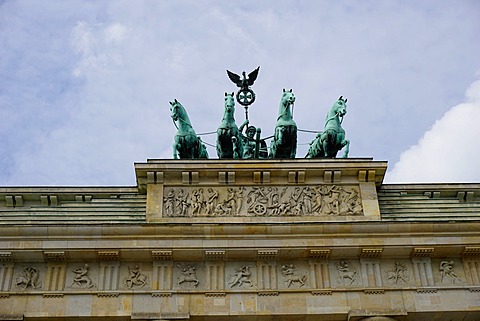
[[240, 277], [135, 279], [292, 277], [321, 200], [81, 279], [28, 279]]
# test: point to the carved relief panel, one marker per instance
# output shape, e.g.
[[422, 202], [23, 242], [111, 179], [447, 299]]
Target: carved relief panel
[[241, 275], [320, 200], [189, 275], [448, 271], [293, 275], [398, 273], [135, 276], [29, 277], [346, 272], [81, 276]]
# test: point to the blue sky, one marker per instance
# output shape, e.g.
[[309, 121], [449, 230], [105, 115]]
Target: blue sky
[[85, 85]]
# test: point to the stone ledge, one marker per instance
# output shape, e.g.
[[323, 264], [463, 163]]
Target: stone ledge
[[427, 290], [11, 317], [215, 294], [267, 293], [107, 294], [374, 291], [161, 294], [53, 295], [321, 292]]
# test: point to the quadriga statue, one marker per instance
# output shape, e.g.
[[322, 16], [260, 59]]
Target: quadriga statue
[[187, 144], [284, 144], [229, 141], [332, 139]]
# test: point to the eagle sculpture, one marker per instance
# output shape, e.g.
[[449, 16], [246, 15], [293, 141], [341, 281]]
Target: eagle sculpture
[[245, 82]]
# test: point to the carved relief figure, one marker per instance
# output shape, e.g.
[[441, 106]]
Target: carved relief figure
[[169, 202], [307, 200], [347, 276], [398, 274], [135, 278], [446, 270], [332, 201], [258, 201], [212, 201], [241, 277], [231, 201], [288, 272], [189, 275], [182, 203], [81, 278], [197, 201], [296, 202], [29, 279], [352, 202], [240, 197]]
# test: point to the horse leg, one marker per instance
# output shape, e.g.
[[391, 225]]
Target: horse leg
[[346, 143], [175, 149], [293, 151], [236, 155]]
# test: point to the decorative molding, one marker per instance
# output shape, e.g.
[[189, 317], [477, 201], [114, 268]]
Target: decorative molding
[[427, 290], [319, 254], [321, 292], [107, 294], [54, 256], [371, 252], [214, 255], [215, 294], [471, 251], [52, 295], [267, 254], [4, 295], [474, 289], [108, 255], [6, 256], [422, 251], [158, 255], [267, 293], [161, 294], [374, 291]]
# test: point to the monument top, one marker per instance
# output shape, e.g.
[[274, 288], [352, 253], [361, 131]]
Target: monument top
[[232, 143]]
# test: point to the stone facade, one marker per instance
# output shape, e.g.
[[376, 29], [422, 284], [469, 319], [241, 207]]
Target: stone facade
[[243, 240]]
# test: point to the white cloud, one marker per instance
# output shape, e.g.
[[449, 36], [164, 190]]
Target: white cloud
[[448, 152]]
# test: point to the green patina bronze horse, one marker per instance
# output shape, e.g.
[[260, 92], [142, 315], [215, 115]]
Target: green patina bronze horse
[[332, 139], [187, 144], [229, 142], [284, 144]]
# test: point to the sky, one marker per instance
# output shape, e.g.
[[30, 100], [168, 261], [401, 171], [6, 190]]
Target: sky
[[85, 85]]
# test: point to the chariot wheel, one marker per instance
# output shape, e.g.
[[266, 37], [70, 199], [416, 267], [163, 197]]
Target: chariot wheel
[[245, 96], [260, 209]]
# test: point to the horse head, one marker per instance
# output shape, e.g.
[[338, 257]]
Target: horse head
[[229, 104], [340, 107], [288, 98], [176, 110], [287, 101]]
